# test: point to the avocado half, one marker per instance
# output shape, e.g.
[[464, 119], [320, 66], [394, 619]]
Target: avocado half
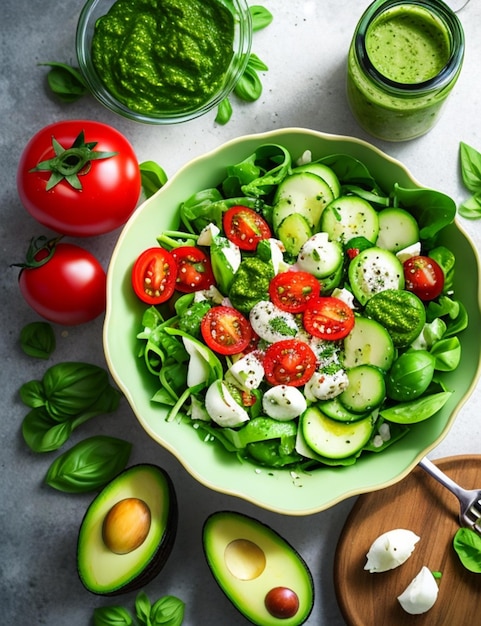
[[259, 571], [128, 531]]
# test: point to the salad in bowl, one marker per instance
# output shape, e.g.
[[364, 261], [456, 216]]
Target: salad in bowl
[[294, 318]]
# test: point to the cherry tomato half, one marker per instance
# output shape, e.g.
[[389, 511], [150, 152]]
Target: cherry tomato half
[[328, 318], [79, 178], [245, 227], [225, 330], [66, 286], [194, 271], [154, 275], [291, 291], [424, 277], [289, 362]]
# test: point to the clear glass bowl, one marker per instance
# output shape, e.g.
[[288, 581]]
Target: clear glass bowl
[[94, 9]]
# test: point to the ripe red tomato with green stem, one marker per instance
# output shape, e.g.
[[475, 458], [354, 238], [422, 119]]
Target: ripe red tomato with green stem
[[63, 282], [79, 178]]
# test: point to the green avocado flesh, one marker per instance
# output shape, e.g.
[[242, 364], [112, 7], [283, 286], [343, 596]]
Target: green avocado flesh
[[107, 572], [248, 560]]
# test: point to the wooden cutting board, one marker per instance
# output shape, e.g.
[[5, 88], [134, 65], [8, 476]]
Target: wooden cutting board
[[421, 504]]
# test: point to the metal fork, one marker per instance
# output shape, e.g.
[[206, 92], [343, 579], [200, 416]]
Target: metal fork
[[469, 499]]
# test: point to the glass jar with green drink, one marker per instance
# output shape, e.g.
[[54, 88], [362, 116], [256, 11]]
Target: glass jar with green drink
[[404, 60]]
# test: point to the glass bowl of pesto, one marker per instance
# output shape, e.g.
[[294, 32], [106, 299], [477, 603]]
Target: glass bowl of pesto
[[163, 61], [154, 384]]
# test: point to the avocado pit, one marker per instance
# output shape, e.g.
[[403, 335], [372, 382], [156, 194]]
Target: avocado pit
[[282, 602], [244, 559], [126, 525]]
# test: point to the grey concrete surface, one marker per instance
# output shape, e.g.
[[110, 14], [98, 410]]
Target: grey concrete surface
[[305, 49]]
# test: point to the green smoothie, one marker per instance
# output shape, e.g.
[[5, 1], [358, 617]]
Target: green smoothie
[[397, 68]]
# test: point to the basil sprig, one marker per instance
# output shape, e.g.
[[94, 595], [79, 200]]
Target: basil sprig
[[68, 395], [471, 174], [37, 339], [167, 611], [89, 465]]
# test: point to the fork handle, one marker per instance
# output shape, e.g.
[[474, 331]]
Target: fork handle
[[441, 477]]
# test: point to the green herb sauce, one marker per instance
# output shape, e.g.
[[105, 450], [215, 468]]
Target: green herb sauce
[[159, 56]]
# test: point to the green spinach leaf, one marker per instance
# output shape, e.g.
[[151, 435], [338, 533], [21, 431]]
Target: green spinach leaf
[[37, 339], [467, 544]]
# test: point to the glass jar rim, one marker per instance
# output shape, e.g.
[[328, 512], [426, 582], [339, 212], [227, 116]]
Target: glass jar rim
[[242, 47], [435, 83]]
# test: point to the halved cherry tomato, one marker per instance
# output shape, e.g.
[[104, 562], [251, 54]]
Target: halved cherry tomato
[[154, 275], [328, 318], [289, 362], [291, 291], [194, 271], [245, 227], [424, 277], [225, 330]]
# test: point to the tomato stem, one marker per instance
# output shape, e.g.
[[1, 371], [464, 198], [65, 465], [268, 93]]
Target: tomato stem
[[69, 163], [39, 252]]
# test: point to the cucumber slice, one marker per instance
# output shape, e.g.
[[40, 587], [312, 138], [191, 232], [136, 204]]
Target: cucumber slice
[[366, 390], [368, 343], [302, 193], [374, 270], [337, 411], [333, 439], [397, 229], [323, 171], [294, 231], [350, 216]]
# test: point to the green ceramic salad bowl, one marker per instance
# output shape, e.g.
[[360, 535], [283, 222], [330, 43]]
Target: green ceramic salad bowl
[[279, 490]]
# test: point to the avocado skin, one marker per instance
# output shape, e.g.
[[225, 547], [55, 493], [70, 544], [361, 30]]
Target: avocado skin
[[257, 523], [159, 558]]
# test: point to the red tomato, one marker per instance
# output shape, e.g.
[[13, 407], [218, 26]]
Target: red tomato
[[68, 288], [154, 275], [64, 184], [289, 362], [328, 318], [424, 277], [245, 227], [291, 291], [194, 271], [225, 330]]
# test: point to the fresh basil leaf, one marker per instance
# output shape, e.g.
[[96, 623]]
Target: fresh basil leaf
[[256, 64], [167, 611], [260, 16], [32, 394], [417, 410], [142, 608], [72, 388], [470, 167], [41, 433], [249, 86], [467, 544], [447, 353], [37, 339], [89, 465], [66, 81], [224, 112], [112, 616], [471, 208], [153, 177]]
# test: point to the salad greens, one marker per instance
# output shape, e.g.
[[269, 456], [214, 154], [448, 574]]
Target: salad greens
[[407, 378]]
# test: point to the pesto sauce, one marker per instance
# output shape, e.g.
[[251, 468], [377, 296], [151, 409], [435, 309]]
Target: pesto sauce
[[159, 56]]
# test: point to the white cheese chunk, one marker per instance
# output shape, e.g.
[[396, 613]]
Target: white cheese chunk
[[421, 594]]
